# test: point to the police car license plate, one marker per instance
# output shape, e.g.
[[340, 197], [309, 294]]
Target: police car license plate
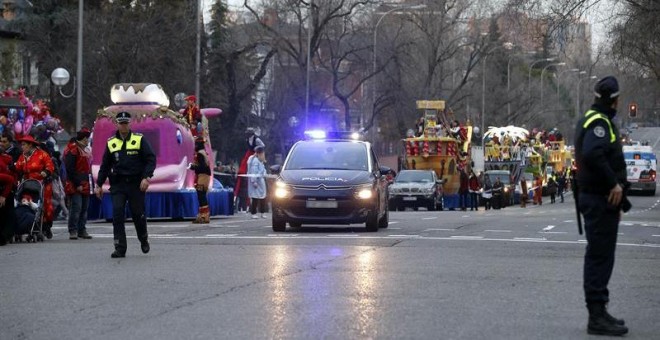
[[321, 204], [410, 198]]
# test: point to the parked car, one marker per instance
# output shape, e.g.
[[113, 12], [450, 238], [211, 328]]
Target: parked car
[[416, 188]]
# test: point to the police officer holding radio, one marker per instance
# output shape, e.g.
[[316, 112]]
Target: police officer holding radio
[[601, 181], [129, 163]]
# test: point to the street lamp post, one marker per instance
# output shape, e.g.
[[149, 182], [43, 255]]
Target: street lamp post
[[79, 69], [559, 77], [60, 76], [309, 60], [375, 42], [508, 84], [506, 45], [578, 107], [529, 74], [543, 71]]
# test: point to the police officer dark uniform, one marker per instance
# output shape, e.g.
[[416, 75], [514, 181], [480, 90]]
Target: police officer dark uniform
[[129, 163], [601, 179]]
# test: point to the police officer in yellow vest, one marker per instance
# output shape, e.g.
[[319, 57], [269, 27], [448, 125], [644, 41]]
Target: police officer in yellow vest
[[601, 179], [129, 163]]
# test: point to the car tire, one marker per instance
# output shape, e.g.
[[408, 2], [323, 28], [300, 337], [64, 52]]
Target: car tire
[[385, 220], [415, 208], [278, 224], [431, 206], [372, 221]]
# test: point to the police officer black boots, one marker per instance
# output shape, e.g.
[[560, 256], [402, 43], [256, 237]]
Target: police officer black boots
[[602, 323]]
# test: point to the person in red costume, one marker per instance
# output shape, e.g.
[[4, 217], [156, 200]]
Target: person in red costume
[[193, 115], [35, 163], [78, 160], [7, 186], [240, 190]]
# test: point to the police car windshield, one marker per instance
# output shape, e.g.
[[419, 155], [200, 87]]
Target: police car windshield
[[414, 176], [328, 155]]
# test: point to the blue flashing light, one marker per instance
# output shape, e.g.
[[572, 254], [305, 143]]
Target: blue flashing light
[[315, 134]]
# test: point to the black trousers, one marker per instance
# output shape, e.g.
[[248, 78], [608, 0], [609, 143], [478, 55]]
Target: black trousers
[[8, 220], [122, 192], [257, 202], [601, 225], [202, 200]]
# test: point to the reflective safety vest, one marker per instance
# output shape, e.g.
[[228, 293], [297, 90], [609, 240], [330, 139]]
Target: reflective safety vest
[[592, 115], [115, 144]]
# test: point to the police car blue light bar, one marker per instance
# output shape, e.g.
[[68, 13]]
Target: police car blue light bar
[[316, 134]]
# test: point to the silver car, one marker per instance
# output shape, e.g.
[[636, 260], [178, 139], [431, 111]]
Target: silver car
[[416, 188]]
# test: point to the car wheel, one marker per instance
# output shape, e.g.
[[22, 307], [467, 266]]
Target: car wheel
[[415, 208], [372, 221], [385, 220], [431, 206], [278, 224]]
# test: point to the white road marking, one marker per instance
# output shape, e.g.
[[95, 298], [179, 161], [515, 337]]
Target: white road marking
[[221, 235], [498, 231], [569, 221], [553, 232], [548, 228], [530, 238], [410, 237], [439, 229], [343, 235], [429, 218]]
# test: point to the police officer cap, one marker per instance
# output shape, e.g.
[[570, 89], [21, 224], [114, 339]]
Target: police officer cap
[[607, 88], [123, 117]]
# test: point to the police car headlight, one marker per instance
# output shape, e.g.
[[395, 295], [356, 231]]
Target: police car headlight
[[427, 190], [364, 192], [506, 189], [282, 190]]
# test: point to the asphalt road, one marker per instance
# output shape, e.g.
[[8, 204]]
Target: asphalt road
[[499, 274]]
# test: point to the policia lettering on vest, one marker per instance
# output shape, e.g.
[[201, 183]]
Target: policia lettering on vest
[[600, 196], [129, 163]]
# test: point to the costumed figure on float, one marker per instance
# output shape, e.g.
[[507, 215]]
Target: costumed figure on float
[[445, 153]]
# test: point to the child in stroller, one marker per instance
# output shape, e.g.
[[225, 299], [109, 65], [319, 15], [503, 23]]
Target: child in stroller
[[28, 211]]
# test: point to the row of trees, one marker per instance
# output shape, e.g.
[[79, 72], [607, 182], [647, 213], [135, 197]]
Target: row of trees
[[257, 60]]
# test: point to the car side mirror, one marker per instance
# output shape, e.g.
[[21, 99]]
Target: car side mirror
[[384, 170], [275, 169]]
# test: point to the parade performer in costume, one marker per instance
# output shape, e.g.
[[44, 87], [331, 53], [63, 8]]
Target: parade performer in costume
[[202, 181], [35, 163], [192, 115]]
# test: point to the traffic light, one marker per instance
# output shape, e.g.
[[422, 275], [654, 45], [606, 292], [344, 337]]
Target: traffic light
[[632, 110]]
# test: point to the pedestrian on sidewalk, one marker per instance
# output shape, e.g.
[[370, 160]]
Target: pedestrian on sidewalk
[[257, 182], [77, 162]]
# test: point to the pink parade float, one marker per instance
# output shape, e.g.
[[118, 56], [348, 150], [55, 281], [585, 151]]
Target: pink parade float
[[171, 192]]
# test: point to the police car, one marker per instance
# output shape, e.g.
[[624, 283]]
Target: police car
[[330, 178]]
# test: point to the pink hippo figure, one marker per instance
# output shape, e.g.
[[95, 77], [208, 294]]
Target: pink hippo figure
[[168, 134]]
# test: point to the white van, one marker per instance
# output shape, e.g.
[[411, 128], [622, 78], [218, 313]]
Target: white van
[[641, 164]]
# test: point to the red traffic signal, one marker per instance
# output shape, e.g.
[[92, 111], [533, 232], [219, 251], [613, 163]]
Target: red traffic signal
[[632, 110]]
